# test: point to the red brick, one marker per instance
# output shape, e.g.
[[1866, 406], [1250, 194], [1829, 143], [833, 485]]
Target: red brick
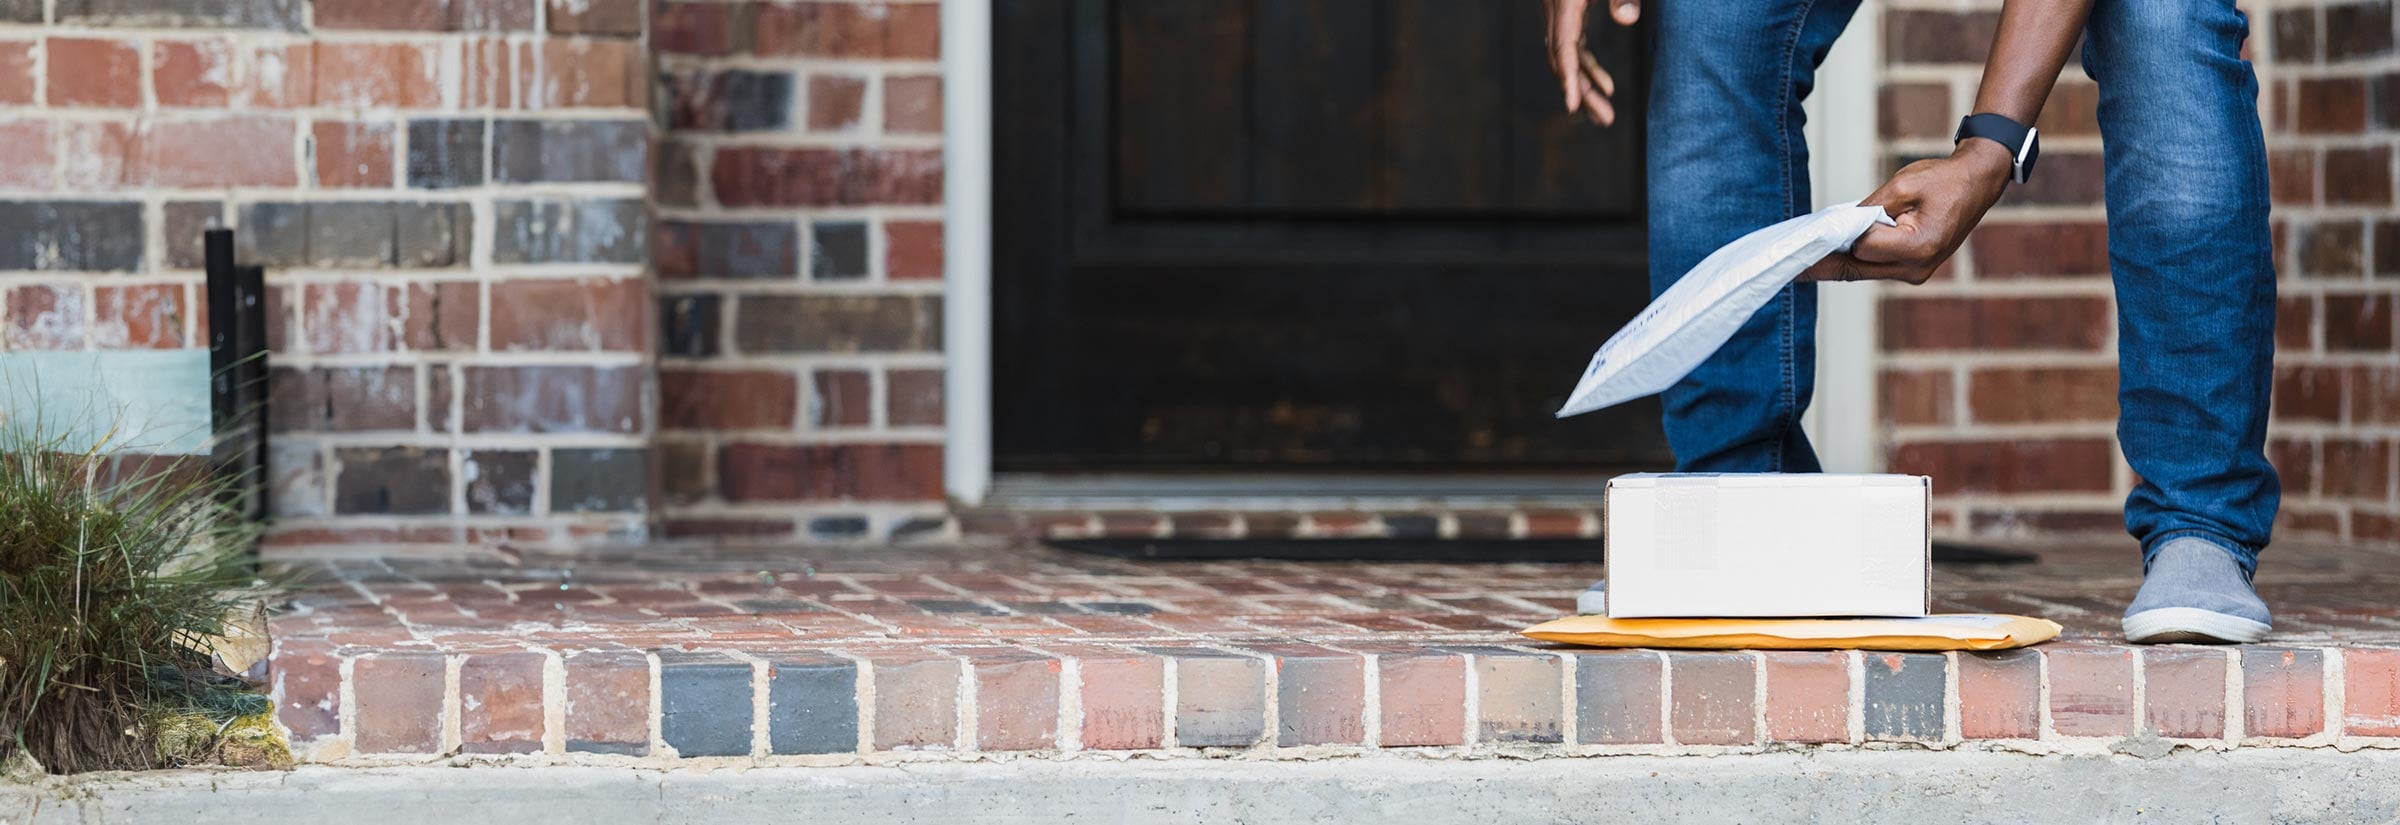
[[2012, 466], [2292, 175], [2358, 175], [1016, 703], [88, 72], [701, 28], [912, 250], [768, 176], [45, 316], [399, 700], [2091, 690], [1424, 699], [29, 162], [2331, 106], [194, 72], [608, 702], [841, 398], [1938, 37], [2018, 250], [2073, 109], [1555, 523], [1808, 696], [1518, 698], [500, 702], [2000, 695], [214, 152], [17, 80], [2296, 323], [307, 682], [719, 400], [2375, 395], [1714, 698], [1915, 396], [149, 316], [350, 154], [570, 315], [619, 18], [867, 472], [916, 704], [2308, 393], [442, 315], [1916, 110], [2371, 691], [2283, 692], [2042, 394], [2382, 529], [2356, 468], [581, 73], [1124, 702], [1983, 324], [836, 103], [908, 31], [912, 105], [2184, 692], [372, 75], [914, 399], [2295, 463], [2358, 323]]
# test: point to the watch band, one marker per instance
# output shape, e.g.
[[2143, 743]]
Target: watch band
[[2018, 138]]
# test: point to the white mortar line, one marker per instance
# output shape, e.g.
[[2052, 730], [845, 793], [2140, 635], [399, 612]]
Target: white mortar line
[[554, 702]]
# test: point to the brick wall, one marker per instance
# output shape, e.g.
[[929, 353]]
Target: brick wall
[[1999, 377], [449, 198], [799, 254]]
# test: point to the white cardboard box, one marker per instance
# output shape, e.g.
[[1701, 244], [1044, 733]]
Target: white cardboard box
[[1770, 544]]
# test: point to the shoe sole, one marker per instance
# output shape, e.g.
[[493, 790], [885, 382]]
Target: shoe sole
[[2191, 625]]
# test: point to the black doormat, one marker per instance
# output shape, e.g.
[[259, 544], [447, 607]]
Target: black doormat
[[1447, 551]]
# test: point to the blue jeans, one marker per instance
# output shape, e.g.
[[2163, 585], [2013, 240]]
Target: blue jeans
[[2187, 239]]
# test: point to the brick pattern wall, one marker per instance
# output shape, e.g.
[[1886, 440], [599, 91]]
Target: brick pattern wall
[[448, 196], [1998, 377], [799, 254]]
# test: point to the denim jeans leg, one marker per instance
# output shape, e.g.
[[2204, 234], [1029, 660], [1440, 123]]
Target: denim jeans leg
[[1726, 156], [2189, 248]]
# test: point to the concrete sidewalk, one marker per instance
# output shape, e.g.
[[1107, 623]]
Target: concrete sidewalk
[[1914, 787]]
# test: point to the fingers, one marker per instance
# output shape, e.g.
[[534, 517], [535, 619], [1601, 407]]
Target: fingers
[[1844, 267], [1599, 76], [1566, 39], [1596, 105], [1627, 12]]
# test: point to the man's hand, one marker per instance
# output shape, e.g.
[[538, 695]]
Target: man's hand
[[1588, 86], [1936, 203]]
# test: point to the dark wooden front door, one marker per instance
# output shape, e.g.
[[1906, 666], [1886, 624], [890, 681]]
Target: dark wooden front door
[[1303, 234]]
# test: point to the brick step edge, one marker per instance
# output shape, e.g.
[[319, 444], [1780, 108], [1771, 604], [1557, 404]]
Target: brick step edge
[[1299, 699]]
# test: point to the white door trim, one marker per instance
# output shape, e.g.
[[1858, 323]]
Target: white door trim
[[1842, 166], [967, 248]]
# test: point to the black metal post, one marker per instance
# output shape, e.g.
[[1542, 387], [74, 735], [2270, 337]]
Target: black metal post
[[237, 362]]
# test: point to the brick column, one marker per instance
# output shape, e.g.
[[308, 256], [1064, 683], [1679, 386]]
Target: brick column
[[800, 262], [448, 195]]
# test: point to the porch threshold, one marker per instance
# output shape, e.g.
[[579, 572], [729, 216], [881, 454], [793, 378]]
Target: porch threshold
[[1260, 492]]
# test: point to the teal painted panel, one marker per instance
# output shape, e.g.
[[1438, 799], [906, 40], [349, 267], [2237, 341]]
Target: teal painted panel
[[142, 401]]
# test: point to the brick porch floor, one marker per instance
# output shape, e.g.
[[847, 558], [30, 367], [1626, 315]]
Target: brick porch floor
[[850, 654]]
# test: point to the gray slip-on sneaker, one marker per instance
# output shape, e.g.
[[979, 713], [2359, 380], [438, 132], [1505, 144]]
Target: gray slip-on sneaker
[[2194, 592]]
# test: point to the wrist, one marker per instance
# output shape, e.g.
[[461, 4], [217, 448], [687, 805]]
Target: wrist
[[1990, 160]]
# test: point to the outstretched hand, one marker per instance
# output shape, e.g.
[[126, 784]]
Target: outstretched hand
[[1935, 203], [1588, 87]]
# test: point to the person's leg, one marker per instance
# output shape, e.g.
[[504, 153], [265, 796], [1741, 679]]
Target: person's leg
[[2189, 248], [1726, 157]]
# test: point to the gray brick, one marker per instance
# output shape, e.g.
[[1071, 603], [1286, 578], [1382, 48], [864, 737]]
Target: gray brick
[[355, 234], [187, 224], [704, 703], [838, 527], [728, 250], [733, 100], [500, 481], [837, 251], [1220, 701], [839, 323], [234, 14], [688, 325], [551, 151], [812, 705], [607, 480], [400, 481], [1412, 526], [1617, 698], [1904, 695], [20, 11], [71, 236], [583, 231], [445, 154]]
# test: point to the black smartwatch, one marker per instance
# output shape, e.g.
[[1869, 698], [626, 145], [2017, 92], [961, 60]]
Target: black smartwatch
[[2023, 142]]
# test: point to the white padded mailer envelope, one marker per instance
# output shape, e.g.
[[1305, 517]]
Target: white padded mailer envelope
[[1767, 544]]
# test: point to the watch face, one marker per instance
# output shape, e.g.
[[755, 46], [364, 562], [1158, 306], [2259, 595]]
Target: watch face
[[2033, 152]]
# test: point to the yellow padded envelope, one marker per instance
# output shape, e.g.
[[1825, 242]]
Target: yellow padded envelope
[[1945, 631]]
